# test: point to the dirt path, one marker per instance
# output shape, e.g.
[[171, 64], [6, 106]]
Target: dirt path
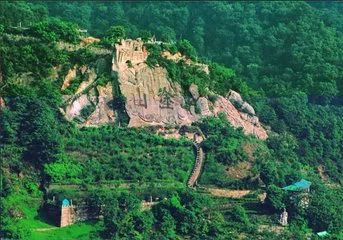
[[45, 229]]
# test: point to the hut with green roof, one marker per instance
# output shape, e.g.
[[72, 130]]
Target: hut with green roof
[[299, 192], [300, 186]]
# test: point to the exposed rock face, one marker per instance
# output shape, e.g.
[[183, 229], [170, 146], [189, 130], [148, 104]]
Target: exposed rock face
[[69, 78], [151, 99], [74, 109], [235, 98], [250, 124], [193, 89], [2, 103], [202, 104], [103, 112]]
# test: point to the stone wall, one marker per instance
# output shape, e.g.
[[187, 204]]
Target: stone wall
[[67, 216]]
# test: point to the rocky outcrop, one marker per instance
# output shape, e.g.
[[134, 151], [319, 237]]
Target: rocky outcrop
[[250, 124], [202, 104], [236, 99], [152, 99], [88, 94], [246, 107], [103, 112], [178, 56], [193, 90], [89, 40]]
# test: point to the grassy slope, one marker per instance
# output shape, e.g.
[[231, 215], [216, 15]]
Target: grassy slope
[[41, 229]]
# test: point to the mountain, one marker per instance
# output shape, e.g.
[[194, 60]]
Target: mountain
[[170, 120]]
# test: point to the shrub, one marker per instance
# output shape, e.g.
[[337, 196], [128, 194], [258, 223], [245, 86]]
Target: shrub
[[53, 30]]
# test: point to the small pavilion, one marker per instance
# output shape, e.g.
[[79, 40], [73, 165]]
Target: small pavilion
[[300, 186], [299, 191]]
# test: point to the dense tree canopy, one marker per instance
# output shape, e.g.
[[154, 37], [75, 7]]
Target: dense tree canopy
[[274, 46]]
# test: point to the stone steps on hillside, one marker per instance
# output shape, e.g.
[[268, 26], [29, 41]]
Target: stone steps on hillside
[[197, 166]]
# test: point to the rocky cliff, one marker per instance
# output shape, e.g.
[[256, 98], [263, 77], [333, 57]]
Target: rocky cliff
[[151, 97]]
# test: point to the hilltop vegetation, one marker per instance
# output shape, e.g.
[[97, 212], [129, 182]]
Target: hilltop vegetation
[[275, 47], [284, 57]]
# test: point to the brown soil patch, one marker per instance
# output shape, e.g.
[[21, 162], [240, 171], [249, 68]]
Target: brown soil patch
[[249, 149], [322, 173], [228, 193], [240, 170], [270, 228]]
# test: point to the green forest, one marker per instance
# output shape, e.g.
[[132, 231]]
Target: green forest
[[286, 60]]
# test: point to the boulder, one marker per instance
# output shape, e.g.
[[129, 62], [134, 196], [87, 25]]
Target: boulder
[[247, 108], [235, 98], [2, 103], [69, 78], [193, 89], [202, 104]]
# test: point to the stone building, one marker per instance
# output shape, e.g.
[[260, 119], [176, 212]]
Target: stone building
[[67, 216], [64, 213]]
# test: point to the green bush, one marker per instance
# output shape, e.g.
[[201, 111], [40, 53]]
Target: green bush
[[64, 170], [239, 215], [53, 29]]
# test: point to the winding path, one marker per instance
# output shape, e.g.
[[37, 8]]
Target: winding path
[[197, 166]]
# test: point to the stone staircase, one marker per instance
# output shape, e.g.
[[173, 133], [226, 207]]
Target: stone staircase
[[197, 166]]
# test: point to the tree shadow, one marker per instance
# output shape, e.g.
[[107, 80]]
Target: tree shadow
[[43, 216]]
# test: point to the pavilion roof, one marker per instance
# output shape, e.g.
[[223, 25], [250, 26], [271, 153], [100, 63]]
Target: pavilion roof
[[298, 186]]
